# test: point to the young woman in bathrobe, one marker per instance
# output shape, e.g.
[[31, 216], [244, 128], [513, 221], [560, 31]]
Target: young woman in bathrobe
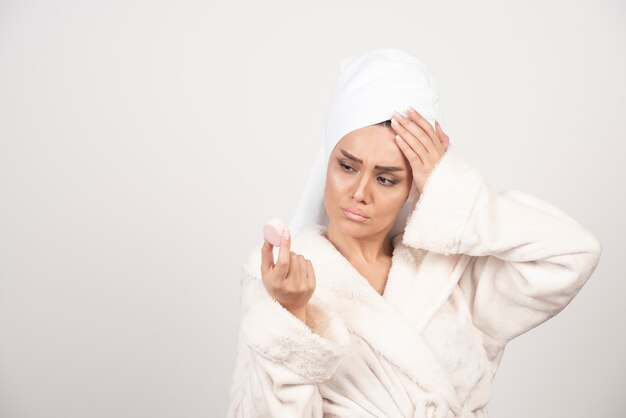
[[351, 321]]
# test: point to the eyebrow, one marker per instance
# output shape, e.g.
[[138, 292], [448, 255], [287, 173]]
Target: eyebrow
[[378, 167]]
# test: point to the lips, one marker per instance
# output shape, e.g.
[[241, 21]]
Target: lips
[[355, 214]]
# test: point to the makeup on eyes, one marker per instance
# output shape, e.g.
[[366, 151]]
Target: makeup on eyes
[[378, 168], [389, 169], [389, 182]]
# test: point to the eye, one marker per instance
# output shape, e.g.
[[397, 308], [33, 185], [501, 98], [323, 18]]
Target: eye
[[389, 182], [386, 182], [344, 166]]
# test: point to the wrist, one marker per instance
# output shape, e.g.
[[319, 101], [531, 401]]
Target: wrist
[[299, 313]]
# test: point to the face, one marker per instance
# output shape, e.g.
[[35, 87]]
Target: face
[[368, 171]]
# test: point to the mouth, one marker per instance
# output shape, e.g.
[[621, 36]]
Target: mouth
[[350, 214]]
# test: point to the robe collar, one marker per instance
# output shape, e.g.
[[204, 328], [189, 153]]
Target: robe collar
[[392, 323]]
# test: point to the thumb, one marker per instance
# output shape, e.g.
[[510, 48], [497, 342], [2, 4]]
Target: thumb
[[267, 258], [284, 253]]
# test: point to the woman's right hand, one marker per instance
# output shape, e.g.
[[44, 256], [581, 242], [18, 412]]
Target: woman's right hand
[[291, 280]]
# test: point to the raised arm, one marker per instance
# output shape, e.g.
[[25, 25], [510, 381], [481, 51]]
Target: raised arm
[[281, 359], [530, 258]]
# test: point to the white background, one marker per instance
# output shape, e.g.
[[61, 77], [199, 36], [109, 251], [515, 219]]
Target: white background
[[144, 143]]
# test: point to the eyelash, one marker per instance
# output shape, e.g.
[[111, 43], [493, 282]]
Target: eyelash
[[389, 182]]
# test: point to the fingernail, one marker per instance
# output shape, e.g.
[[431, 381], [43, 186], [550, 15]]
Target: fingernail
[[286, 233]]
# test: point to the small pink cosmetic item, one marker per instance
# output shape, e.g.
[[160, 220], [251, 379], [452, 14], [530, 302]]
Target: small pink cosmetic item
[[273, 231]]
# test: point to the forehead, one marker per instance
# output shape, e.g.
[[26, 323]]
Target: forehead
[[371, 143]]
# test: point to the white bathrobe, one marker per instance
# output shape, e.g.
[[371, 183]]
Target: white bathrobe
[[473, 269]]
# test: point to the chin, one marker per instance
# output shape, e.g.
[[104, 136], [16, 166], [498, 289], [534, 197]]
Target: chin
[[351, 227]]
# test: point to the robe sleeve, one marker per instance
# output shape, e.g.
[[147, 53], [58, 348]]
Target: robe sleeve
[[280, 359], [529, 259]]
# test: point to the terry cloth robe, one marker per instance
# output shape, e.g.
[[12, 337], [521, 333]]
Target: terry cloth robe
[[473, 269]]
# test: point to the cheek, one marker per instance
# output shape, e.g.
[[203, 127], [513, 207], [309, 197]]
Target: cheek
[[396, 197], [334, 193], [393, 202], [330, 189], [335, 183]]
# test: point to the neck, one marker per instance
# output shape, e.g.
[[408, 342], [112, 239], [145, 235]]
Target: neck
[[368, 249]]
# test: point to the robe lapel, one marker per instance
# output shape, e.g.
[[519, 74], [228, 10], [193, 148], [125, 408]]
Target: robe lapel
[[391, 323], [420, 300]]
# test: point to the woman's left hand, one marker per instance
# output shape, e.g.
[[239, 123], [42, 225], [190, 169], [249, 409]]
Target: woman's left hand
[[422, 145]]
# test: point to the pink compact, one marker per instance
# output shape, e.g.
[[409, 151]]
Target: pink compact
[[273, 231]]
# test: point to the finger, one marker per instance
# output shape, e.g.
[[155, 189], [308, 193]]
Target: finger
[[410, 140], [409, 153], [310, 273], [293, 266], [439, 144], [417, 131], [301, 272], [421, 121], [284, 254], [267, 258], [445, 140]]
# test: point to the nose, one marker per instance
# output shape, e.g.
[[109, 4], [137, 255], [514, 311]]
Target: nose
[[362, 188]]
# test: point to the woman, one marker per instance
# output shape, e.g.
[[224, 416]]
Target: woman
[[405, 309]]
